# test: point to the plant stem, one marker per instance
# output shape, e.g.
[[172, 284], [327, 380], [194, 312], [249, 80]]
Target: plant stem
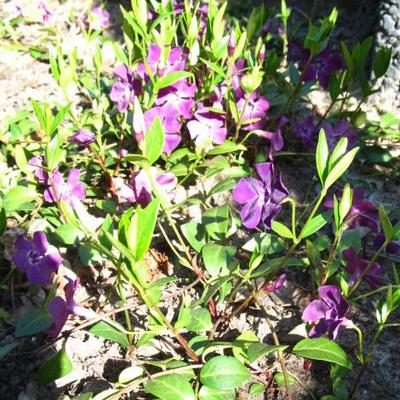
[[366, 270]]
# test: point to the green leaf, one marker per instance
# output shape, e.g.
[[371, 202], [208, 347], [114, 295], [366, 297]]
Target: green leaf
[[376, 155], [321, 156], [282, 230], [141, 228], [256, 388], [386, 224], [131, 373], [324, 350], [4, 350], [16, 197], [280, 379], [206, 393], [171, 78], [33, 321], [223, 373], [200, 320], [56, 367], [315, 224], [195, 234], [68, 234], [340, 167], [381, 61], [226, 147], [170, 387], [216, 221], [107, 331], [264, 243], [154, 141], [216, 257], [258, 350]]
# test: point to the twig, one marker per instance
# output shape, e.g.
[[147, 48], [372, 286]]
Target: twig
[[281, 359]]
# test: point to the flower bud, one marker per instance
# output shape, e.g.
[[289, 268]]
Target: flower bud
[[346, 202], [231, 44], [82, 138], [261, 54], [251, 81]]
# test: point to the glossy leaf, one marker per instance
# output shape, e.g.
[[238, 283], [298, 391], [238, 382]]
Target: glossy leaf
[[315, 224], [223, 373], [324, 350], [321, 156], [216, 257], [282, 230], [35, 320], [18, 196], [206, 393], [170, 387], [56, 367], [154, 141], [258, 350], [107, 331]]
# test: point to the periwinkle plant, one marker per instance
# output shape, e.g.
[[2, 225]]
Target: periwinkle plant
[[191, 100]]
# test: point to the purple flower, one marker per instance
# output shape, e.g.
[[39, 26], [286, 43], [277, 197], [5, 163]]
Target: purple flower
[[138, 191], [13, 9], [36, 258], [82, 138], [393, 247], [329, 313], [69, 191], [60, 309], [156, 62], [47, 15], [305, 131], [207, 127], [99, 19], [123, 91], [275, 138], [362, 212], [276, 285], [335, 133], [260, 196], [356, 266], [254, 111], [36, 164], [173, 104], [321, 66]]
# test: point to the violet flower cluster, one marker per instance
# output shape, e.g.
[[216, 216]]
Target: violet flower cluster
[[355, 267], [307, 130], [138, 190], [40, 262], [328, 313], [260, 196], [320, 68]]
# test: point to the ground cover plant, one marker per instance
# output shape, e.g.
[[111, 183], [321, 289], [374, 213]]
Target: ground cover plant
[[158, 188]]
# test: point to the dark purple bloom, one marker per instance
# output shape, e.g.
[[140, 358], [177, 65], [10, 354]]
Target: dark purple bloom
[[82, 137], [60, 308], [47, 15], [207, 127], [123, 91], [138, 191], [254, 111], [393, 247], [356, 266], [305, 131], [321, 66], [341, 129], [329, 313], [276, 285], [362, 212], [36, 164], [260, 196], [69, 191], [36, 258]]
